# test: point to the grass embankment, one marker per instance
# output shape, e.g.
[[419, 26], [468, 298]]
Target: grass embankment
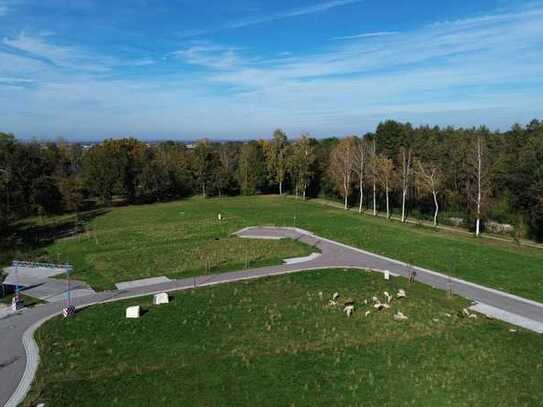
[[176, 239], [277, 342]]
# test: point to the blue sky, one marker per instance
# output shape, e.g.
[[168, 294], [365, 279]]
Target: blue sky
[[89, 69]]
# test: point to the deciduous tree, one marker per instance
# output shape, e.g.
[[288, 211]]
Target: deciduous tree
[[341, 167], [301, 159], [429, 180], [406, 162], [385, 174], [248, 163], [361, 158], [275, 152]]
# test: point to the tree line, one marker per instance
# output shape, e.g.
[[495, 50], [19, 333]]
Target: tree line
[[448, 175]]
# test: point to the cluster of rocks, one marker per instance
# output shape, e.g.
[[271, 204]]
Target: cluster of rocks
[[348, 305]]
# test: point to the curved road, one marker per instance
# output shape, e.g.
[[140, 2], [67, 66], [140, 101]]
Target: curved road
[[19, 354]]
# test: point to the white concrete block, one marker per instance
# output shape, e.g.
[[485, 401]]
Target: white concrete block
[[387, 275], [161, 298], [133, 312]]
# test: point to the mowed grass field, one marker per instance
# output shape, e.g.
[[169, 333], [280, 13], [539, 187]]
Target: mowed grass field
[[277, 342], [184, 238], [177, 239]]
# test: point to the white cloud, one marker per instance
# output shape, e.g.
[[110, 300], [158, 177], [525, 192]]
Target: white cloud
[[316, 8], [211, 55], [140, 62], [67, 57], [366, 35], [463, 69], [297, 12], [485, 48]]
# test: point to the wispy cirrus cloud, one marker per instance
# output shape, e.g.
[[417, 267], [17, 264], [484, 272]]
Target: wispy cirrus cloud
[[459, 68], [3, 8], [16, 82], [366, 35], [210, 55], [285, 14], [482, 44], [316, 8], [38, 48]]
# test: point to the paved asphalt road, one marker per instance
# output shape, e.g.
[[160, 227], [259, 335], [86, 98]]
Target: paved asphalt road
[[18, 351]]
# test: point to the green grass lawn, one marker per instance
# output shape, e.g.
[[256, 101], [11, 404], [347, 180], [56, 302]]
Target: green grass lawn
[[178, 238], [277, 342]]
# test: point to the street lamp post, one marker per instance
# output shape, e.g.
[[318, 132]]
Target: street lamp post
[[69, 308], [17, 302]]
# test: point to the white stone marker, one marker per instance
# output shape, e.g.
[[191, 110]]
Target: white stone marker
[[133, 312], [161, 298], [387, 275]]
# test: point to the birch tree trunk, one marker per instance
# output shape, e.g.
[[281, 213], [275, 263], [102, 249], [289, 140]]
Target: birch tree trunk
[[346, 194], [374, 179], [406, 169], [404, 194], [388, 202], [436, 207], [479, 171], [281, 188], [374, 197], [361, 186]]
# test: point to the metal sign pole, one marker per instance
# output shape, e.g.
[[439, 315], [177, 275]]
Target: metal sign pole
[[69, 309], [17, 288], [16, 302]]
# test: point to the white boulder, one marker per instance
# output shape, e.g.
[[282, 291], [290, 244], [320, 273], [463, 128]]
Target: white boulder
[[133, 312], [399, 316], [380, 306], [161, 298], [388, 297]]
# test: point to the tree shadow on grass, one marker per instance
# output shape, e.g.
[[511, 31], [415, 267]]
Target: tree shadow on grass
[[27, 239]]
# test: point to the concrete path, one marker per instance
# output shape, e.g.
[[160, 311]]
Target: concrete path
[[126, 285], [19, 356], [40, 282]]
